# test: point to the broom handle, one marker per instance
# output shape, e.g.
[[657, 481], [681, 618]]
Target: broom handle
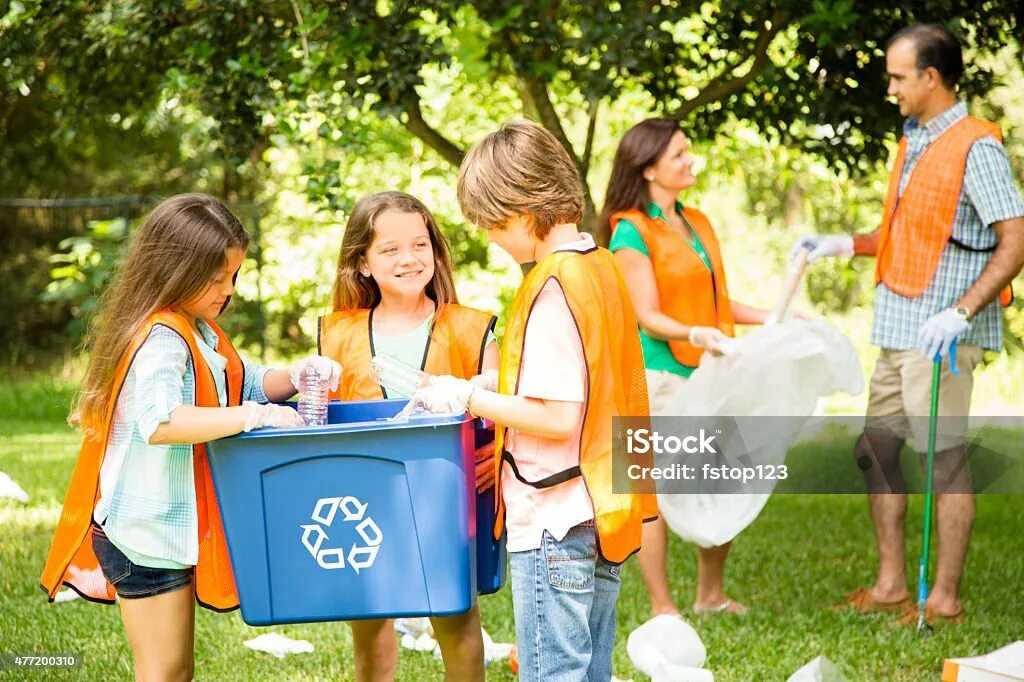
[[796, 273]]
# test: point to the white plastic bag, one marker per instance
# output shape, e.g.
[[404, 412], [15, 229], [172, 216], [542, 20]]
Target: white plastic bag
[[819, 670], [779, 370], [9, 488], [665, 642], [278, 645]]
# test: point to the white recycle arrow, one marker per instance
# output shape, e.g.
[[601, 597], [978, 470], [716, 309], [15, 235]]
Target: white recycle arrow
[[346, 506]]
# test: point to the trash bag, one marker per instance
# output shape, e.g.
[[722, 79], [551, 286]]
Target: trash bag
[[820, 669], [778, 370], [665, 641]]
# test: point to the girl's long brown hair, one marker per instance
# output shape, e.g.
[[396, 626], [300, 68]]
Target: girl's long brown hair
[[351, 289], [641, 146], [171, 260]]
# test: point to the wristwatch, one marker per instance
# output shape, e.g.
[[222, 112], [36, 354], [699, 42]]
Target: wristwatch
[[963, 312]]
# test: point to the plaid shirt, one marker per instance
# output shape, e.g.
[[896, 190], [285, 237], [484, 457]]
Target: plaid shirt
[[989, 195], [147, 503]]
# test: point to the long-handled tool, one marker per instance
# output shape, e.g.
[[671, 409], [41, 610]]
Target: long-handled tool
[[933, 420], [922, 575], [795, 274]]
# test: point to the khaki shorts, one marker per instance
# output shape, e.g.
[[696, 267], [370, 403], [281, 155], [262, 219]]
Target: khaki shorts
[[899, 398], [660, 387]]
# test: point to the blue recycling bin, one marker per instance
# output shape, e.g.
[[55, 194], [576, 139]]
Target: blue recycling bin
[[360, 518], [490, 553]]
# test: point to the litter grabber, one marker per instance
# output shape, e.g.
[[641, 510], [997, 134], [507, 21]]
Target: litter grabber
[[795, 275], [933, 420]]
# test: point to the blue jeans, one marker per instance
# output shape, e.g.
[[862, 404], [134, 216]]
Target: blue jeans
[[564, 595]]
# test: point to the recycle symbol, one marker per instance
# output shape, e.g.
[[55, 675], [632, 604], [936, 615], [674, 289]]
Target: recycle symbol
[[359, 556]]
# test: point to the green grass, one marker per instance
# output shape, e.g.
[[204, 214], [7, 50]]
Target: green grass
[[800, 556]]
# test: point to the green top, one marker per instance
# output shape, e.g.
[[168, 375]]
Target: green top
[[657, 354], [408, 347]]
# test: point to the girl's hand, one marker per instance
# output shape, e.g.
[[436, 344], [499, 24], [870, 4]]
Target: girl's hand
[[270, 415], [328, 369], [710, 339]]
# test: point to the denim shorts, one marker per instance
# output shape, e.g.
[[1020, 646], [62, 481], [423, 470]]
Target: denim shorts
[[130, 580]]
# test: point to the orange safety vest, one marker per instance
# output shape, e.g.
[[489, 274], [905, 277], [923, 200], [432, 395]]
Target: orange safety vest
[[458, 336], [615, 386], [917, 225], [687, 291], [71, 560]]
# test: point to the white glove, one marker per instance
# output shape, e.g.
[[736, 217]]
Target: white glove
[[329, 370], [487, 381], [709, 338], [445, 395], [269, 414], [939, 332], [823, 245]]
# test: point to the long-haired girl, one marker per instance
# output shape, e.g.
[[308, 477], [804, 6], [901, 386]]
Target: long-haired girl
[[395, 295], [140, 519]]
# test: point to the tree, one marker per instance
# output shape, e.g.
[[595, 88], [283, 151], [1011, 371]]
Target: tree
[[809, 73]]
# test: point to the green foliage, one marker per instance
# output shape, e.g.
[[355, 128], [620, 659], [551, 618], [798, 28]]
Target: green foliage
[[307, 107], [83, 267]]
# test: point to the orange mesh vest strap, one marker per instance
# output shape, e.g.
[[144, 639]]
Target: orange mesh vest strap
[[71, 560], [917, 225], [687, 291], [616, 386], [455, 346]]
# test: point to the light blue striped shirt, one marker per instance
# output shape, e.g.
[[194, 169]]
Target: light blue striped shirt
[[989, 195], [147, 504]]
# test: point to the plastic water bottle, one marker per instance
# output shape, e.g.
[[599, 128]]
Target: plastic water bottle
[[313, 398], [399, 379]]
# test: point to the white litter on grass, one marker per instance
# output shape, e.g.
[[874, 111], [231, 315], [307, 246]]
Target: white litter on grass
[[820, 669], [8, 488], [418, 635], [667, 649], [66, 595], [1006, 663], [278, 645], [494, 651], [681, 673]]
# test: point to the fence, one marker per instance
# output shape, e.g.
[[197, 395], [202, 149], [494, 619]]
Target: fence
[[32, 229]]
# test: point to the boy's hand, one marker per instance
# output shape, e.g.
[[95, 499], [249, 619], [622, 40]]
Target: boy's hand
[[445, 395], [487, 381], [328, 369]]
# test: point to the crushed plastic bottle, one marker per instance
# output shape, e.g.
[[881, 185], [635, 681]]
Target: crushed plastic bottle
[[399, 379], [313, 398]]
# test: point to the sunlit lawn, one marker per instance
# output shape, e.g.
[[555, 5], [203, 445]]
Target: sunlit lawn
[[800, 556]]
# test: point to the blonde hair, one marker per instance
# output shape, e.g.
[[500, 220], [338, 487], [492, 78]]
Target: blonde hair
[[520, 170], [353, 290], [171, 260]]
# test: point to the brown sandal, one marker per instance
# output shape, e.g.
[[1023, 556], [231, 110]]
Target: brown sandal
[[911, 616], [862, 601]]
